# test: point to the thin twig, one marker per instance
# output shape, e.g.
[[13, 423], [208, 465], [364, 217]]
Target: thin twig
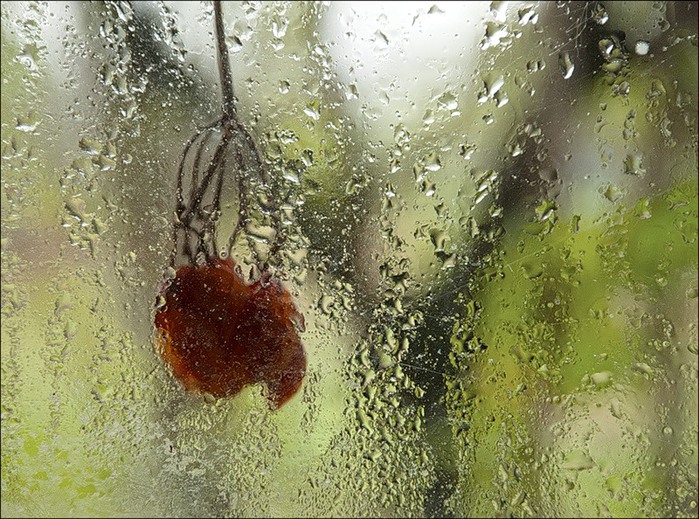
[[181, 207], [197, 161], [211, 170], [190, 214], [242, 202], [224, 66]]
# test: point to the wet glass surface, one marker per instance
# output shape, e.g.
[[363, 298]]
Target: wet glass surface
[[489, 223]]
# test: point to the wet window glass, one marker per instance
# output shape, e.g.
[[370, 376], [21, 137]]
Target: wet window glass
[[349, 259]]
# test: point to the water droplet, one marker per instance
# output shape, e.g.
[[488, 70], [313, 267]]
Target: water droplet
[[325, 304], [642, 47], [234, 43], [467, 150], [90, 146], [578, 460], [279, 26], [601, 379], [432, 162], [307, 157], [548, 174], [70, 330], [381, 39], [448, 100], [439, 239], [76, 207], [642, 209], [599, 14], [351, 91], [565, 65], [528, 15], [495, 34], [633, 165], [612, 193], [312, 110], [27, 123]]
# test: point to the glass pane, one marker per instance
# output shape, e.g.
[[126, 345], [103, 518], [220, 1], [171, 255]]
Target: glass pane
[[424, 259]]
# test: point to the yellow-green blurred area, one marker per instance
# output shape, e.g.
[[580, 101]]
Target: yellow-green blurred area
[[492, 219]]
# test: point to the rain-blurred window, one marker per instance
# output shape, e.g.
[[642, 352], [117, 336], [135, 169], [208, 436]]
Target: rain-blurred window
[[489, 222]]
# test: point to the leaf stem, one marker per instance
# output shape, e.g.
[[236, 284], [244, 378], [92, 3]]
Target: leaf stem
[[224, 66]]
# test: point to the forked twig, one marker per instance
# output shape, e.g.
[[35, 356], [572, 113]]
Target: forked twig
[[194, 221]]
